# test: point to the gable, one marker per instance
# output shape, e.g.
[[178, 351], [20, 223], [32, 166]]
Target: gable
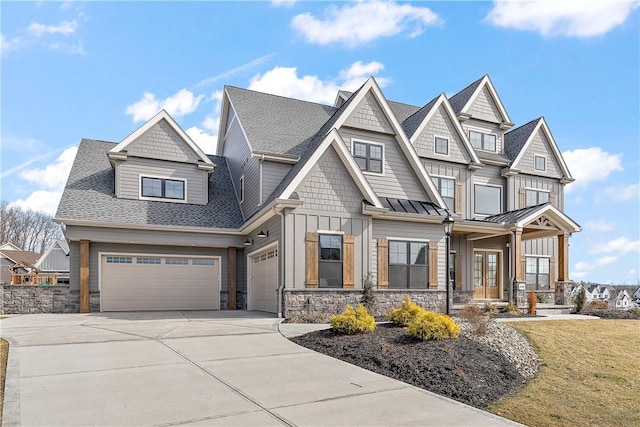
[[441, 125], [330, 187], [485, 108], [161, 141], [539, 146], [368, 114]]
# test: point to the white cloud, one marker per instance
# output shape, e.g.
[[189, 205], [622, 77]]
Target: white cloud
[[181, 103], [283, 3], [9, 44], [632, 272], [285, 81], [600, 225], [363, 22], [234, 71], [49, 182], [206, 141], [573, 18], [70, 48], [623, 193], [65, 28], [590, 164], [582, 268], [621, 245]]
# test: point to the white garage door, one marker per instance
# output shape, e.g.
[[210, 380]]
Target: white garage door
[[159, 282], [264, 281]]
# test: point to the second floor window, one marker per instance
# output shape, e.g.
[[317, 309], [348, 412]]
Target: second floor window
[[441, 145], [535, 197], [330, 261], [368, 156], [483, 141], [540, 163], [162, 188], [447, 189], [487, 199]]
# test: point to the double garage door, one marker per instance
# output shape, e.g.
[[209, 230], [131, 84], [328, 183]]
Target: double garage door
[[159, 282], [264, 281]]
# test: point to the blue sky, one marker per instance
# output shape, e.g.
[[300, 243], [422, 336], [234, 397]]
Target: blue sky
[[99, 69]]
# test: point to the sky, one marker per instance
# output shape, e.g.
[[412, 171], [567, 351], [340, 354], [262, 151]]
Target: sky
[[98, 70]]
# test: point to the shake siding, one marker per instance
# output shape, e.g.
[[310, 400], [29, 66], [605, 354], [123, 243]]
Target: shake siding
[[162, 142], [238, 154], [457, 171], [369, 115], [129, 173], [442, 126], [484, 108], [485, 127], [539, 146], [399, 180], [272, 174], [519, 182]]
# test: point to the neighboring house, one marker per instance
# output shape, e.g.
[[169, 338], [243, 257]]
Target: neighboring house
[[593, 292], [303, 200], [575, 290], [55, 260], [11, 255], [623, 300], [636, 294]]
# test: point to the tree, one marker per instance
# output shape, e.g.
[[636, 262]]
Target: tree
[[580, 300], [27, 229]]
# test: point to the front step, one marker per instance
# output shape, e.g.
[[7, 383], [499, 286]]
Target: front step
[[551, 309]]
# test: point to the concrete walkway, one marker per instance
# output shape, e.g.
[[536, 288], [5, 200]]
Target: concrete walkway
[[198, 368]]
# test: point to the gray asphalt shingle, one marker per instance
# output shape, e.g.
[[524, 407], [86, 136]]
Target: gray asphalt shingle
[[460, 99], [515, 139]]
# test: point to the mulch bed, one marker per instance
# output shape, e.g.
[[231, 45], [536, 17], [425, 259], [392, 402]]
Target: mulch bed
[[461, 369]]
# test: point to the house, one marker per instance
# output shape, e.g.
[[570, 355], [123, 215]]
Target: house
[[55, 260], [593, 292], [10, 255], [622, 299], [302, 201], [636, 295]]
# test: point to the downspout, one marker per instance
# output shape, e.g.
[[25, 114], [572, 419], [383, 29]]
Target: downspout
[[281, 257]]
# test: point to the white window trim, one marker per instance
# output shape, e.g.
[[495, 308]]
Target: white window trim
[[408, 239], [487, 132], [534, 162], [161, 199], [474, 198], [448, 145], [363, 141], [241, 185], [342, 233]]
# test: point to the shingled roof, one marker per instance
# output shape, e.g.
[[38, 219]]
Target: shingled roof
[[90, 196], [411, 123], [515, 139], [460, 99], [275, 124]]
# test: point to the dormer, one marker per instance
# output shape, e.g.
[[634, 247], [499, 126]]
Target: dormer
[[160, 162]]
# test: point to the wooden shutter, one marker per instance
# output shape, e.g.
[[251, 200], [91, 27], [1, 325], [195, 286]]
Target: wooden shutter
[[433, 265], [311, 260], [348, 261], [383, 264], [523, 198], [458, 198], [552, 274]]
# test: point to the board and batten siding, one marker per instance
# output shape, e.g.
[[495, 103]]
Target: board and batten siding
[[521, 182], [440, 125], [162, 142], [128, 175], [547, 246], [485, 127], [484, 107], [369, 115], [539, 146], [433, 233], [272, 174], [398, 181]]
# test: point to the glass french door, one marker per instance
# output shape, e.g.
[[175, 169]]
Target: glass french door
[[486, 275]]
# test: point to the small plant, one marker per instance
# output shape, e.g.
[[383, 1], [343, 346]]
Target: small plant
[[543, 297], [433, 326], [635, 312], [406, 313], [511, 308], [532, 299], [477, 318], [598, 305], [352, 321], [489, 308], [580, 300], [368, 298]]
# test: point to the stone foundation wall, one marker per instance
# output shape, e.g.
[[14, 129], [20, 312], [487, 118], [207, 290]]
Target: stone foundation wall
[[241, 300], [332, 301], [563, 293], [18, 299]]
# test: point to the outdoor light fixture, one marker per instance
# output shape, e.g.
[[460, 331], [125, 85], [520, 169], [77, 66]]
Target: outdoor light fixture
[[248, 242], [447, 223], [262, 234]]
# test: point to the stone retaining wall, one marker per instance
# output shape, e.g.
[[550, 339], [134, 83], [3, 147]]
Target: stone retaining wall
[[19, 299], [331, 301]]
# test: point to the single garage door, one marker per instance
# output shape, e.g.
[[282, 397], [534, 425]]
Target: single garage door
[[159, 282], [264, 281]]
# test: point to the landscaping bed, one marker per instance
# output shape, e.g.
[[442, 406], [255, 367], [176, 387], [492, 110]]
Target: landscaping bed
[[611, 314], [472, 369]]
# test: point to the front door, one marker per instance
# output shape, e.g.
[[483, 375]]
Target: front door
[[486, 277]]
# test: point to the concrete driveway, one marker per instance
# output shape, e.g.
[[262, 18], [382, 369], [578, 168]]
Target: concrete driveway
[[198, 368]]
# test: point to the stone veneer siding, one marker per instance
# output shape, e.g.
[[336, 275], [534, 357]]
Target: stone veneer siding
[[29, 299], [332, 301]]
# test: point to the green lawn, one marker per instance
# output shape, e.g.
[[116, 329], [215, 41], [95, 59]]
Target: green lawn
[[590, 375]]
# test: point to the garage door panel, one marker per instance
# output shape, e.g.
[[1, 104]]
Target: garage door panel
[[265, 281]]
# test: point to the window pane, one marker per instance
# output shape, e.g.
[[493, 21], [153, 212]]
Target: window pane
[[530, 281], [531, 197], [478, 261], [543, 197], [450, 202], [330, 247], [397, 252], [151, 187], [418, 253], [375, 166], [476, 139], [488, 200], [543, 281], [330, 274], [375, 152], [417, 277], [174, 189], [532, 266], [489, 142], [540, 163], [362, 163], [543, 265], [442, 145], [398, 276], [447, 187], [360, 150]]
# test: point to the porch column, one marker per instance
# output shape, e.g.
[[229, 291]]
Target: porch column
[[517, 255], [563, 257], [84, 277], [231, 268]]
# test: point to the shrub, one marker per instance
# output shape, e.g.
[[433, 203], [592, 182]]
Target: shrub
[[543, 297], [477, 318], [352, 321], [635, 312], [598, 305], [406, 313], [368, 298], [580, 300], [433, 326], [489, 308], [511, 308], [532, 299]]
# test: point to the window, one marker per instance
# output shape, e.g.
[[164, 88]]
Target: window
[[162, 188], [241, 195], [441, 145], [446, 188], [488, 199], [368, 156], [203, 261], [483, 141], [177, 261], [147, 260], [537, 273], [119, 260], [535, 197], [540, 163], [330, 262], [408, 264]]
